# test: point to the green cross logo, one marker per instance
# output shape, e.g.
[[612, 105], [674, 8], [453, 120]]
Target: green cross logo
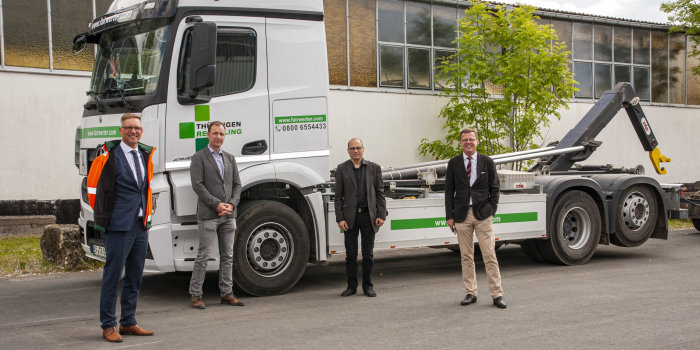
[[188, 130]]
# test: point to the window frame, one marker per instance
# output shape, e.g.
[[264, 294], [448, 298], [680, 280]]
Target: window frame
[[430, 47]]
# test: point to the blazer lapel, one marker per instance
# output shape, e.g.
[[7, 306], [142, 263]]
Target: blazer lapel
[[228, 175], [480, 167], [368, 179], [351, 174], [461, 170]]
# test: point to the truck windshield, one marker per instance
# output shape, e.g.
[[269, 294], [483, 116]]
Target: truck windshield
[[128, 63]]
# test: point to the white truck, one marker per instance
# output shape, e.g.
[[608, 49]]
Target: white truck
[[260, 67]]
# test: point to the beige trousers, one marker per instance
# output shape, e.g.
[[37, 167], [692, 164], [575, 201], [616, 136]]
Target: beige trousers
[[487, 243]]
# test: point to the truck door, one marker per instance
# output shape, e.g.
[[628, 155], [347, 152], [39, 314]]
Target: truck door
[[239, 99]]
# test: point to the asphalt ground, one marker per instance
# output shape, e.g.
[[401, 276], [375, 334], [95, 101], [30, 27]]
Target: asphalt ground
[[625, 298]]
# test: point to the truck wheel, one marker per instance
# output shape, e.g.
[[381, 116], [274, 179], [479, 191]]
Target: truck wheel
[[574, 230], [637, 213], [696, 223], [271, 248]]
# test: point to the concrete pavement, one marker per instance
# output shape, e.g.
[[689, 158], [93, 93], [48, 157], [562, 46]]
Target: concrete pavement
[[625, 298]]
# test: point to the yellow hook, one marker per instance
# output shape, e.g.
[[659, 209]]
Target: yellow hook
[[656, 158]]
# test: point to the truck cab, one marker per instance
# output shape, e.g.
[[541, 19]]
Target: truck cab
[[259, 68]]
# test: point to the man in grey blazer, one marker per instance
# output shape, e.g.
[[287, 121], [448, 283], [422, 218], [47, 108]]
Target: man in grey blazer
[[360, 207], [215, 180]]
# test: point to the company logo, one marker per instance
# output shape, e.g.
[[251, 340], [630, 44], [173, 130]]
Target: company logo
[[645, 124], [197, 130]]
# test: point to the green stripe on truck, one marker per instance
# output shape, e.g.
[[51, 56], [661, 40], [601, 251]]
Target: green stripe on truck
[[407, 224]]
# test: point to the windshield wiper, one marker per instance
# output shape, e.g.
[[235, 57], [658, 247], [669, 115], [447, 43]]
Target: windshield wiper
[[94, 96], [127, 104]]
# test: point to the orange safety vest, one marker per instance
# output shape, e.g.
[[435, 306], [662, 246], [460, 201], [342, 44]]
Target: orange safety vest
[[96, 174]]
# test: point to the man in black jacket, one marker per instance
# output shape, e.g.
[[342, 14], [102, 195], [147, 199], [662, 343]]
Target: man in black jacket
[[471, 199], [360, 207]]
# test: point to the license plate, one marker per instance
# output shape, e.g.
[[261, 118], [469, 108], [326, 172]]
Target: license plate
[[99, 251]]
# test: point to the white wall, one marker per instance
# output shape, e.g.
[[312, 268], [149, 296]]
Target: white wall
[[676, 130], [39, 114], [393, 124]]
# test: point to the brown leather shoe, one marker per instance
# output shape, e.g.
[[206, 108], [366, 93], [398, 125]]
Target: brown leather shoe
[[197, 303], [134, 330], [231, 300], [110, 334]]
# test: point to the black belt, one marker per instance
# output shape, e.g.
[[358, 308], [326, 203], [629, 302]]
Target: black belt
[[362, 210]]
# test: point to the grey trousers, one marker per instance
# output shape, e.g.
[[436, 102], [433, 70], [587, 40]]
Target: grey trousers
[[209, 230]]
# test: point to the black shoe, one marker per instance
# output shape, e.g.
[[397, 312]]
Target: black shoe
[[469, 299], [369, 291], [500, 303], [348, 292]]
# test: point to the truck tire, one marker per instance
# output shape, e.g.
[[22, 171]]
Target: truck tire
[[696, 223], [574, 230], [271, 248], [637, 213]]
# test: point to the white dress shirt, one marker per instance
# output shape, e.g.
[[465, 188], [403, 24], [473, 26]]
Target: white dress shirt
[[219, 158]]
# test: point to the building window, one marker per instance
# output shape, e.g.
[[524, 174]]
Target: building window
[[413, 38], [584, 76], [676, 71], [26, 32], [68, 18], [391, 66], [623, 45], [659, 66], [603, 78], [30, 43], [605, 55]]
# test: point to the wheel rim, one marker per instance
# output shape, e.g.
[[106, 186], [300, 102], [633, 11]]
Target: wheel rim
[[269, 249], [635, 211], [575, 228]]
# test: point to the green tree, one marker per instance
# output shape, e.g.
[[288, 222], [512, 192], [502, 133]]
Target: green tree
[[684, 15], [508, 76]]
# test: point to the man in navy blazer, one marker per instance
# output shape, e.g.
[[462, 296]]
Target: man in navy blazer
[[122, 211], [471, 200]]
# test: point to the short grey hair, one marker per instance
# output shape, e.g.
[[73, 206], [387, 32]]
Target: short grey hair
[[358, 139]]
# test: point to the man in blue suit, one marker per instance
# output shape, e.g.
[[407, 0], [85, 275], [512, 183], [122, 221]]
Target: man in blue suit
[[122, 206]]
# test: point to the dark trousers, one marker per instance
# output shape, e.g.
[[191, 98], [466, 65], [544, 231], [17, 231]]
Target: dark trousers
[[363, 225], [125, 250]]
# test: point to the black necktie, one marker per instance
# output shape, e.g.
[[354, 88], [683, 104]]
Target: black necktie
[[137, 165]]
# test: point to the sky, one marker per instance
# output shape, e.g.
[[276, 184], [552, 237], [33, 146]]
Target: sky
[[640, 10]]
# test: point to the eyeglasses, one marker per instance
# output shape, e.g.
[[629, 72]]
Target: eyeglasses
[[355, 148], [136, 128], [468, 140]]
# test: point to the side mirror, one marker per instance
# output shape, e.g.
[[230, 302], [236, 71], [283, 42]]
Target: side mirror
[[79, 42], [203, 57]]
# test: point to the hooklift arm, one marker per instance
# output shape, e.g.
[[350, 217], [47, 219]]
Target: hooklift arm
[[583, 134]]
